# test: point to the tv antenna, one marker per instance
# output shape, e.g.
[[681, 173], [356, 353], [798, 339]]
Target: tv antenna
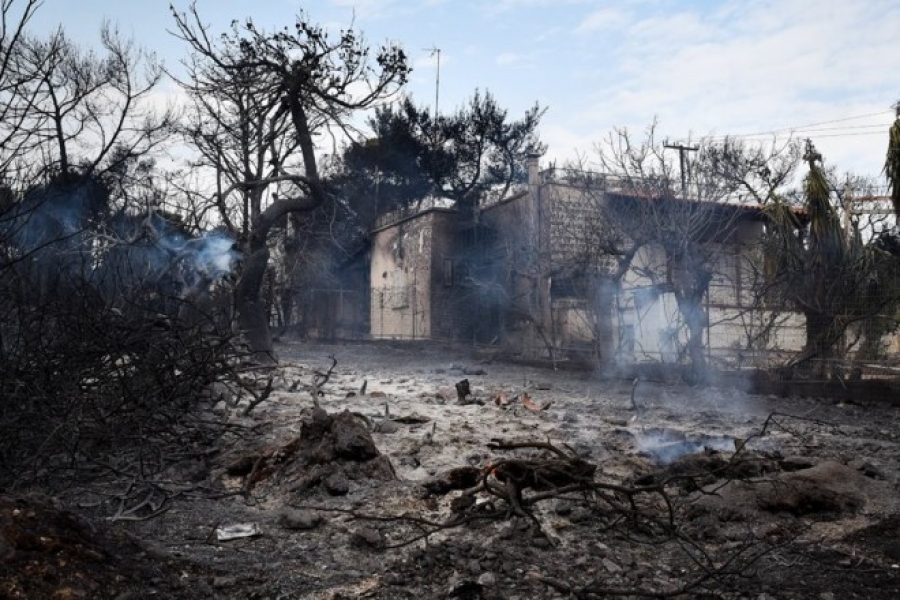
[[436, 52]]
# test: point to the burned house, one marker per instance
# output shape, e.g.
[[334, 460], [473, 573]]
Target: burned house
[[553, 270], [426, 274]]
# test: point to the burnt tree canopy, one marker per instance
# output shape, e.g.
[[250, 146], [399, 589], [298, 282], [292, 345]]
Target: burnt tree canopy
[[834, 276], [315, 80], [412, 154]]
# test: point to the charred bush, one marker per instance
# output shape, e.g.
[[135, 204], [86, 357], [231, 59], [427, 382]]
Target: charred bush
[[112, 332]]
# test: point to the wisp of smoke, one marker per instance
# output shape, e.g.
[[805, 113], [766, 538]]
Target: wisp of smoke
[[666, 446]]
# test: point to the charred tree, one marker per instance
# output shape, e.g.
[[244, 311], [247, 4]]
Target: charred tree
[[307, 80]]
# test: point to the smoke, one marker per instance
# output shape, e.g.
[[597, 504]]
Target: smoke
[[667, 445], [51, 217], [63, 232], [152, 250]]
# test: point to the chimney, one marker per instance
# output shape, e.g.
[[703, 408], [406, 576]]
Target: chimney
[[532, 165]]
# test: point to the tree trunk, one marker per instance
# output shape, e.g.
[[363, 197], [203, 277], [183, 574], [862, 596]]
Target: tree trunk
[[819, 346], [603, 300], [252, 309], [695, 318]]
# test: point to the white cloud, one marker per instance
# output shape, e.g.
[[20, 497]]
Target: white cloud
[[604, 19], [752, 67]]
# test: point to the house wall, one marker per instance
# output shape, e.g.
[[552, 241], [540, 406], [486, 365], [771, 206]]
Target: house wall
[[550, 231], [451, 301], [526, 313], [401, 276]]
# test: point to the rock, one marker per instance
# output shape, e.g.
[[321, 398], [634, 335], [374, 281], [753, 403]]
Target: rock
[[477, 371], [487, 579], [292, 518], [826, 490], [337, 484], [387, 427], [351, 438], [611, 566], [367, 537], [828, 487]]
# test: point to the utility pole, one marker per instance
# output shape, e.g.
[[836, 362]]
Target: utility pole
[[681, 151]]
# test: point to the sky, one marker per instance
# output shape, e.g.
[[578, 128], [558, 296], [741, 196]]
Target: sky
[[755, 69]]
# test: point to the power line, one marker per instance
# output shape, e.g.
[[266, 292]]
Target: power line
[[800, 128], [842, 120]]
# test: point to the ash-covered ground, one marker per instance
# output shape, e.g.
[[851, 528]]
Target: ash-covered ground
[[806, 508]]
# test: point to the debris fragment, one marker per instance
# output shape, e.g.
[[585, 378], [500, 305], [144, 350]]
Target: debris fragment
[[530, 404], [463, 391], [500, 399], [237, 531]]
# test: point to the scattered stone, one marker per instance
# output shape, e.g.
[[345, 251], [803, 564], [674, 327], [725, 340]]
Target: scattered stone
[[610, 566], [367, 537], [292, 518], [377, 394], [337, 484], [487, 579], [476, 371], [388, 426]]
